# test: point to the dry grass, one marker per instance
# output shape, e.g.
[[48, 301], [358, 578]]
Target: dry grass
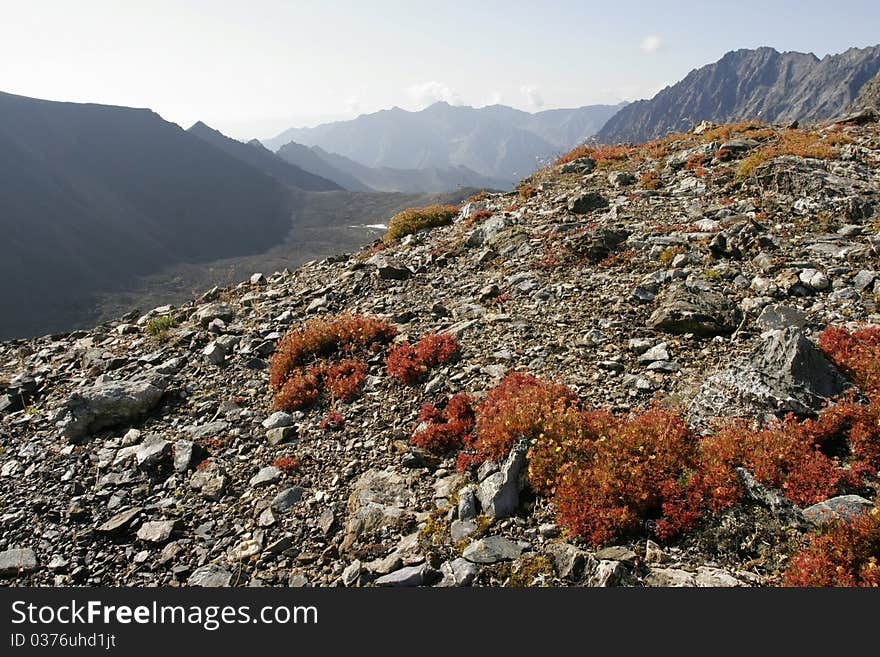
[[412, 220]]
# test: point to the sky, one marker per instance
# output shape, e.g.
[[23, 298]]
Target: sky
[[252, 69]]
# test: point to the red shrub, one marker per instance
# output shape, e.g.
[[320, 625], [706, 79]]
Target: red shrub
[[448, 429], [846, 554], [334, 421], [345, 380], [521, 405], [627, 470], [286, 464], [298, 392], [857, 354], [321, 338], [409, 364]]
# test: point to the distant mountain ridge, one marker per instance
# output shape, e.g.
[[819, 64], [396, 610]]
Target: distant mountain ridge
[[749, 84], [358, 177], [496, 141], [93, 195], [261, 158]]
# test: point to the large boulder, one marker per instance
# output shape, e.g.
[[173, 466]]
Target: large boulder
[[106, 404], [684, 309], [787, 373], [378, 499]]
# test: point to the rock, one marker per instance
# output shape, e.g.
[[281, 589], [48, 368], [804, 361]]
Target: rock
[[185, 454], [461, 529], [352, 573], [207, 313], [587, 202], [608, 573], [780, 506], [106, 404], [787, 373], [215, 353], [492, 549], [389, 268], [570, 562], [211, 483], [152, 452], [654, 553], [208, 430], [658, 352], [621, 178], [245, 550], [499, 493], [864, 279], [17, 561], [597, 244], [282, 435], [616, 553], [278, 420], [715, 578], [119, 522], [843, 507], [486, 232], [286, 499], [459, 572], [377, 500], [412, 576], [580, 165], [326, 521], [670, 578], [210, 575], [775, 317], [467, 502], [686, 310], [156, 531], [268, 475]]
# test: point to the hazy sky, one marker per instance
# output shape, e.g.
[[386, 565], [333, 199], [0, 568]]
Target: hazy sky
[[252, 68]]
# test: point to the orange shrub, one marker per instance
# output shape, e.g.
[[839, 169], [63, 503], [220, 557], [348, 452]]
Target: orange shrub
[[321, 338], [857, 354], [409, 364], [446, 430], [345, 380], [286, 464], [298, 392], [650, 180], [845, 554]]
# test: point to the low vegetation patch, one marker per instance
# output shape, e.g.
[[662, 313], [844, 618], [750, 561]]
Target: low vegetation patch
[[448, 429], [158, 327], [413, 220], [409, 364]]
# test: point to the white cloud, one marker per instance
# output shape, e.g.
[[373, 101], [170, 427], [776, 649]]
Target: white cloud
[[651, 43], [495, 99], [427, 93], [352, 105], [533, 96]]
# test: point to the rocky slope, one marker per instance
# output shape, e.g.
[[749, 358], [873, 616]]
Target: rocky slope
[[697, 271], [749, 84], [869, 95]]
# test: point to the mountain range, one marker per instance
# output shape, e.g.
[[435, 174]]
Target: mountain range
[[92, 195], [749, 84], [496, 142]]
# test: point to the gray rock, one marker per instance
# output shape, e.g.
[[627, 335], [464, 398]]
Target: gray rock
[[412, 576], [326, 521], [864, 279], [492, 549], [580, 165], [185, 453], [776, 317], [352, 573], [570, 562], [281, 435], [499, 493], [461, 529], [278, 420], [17, 561], [152, 452], [787, 373], [608, 573], [587, 202], [779, 505], [616, 553], [106, 404], [487, 231], [688, 310], [389, 268], [267, 475], [156, 531], [467, 502], [207, 313], [215, 353], [120, 521], [843, 507], [211, 483], [459, 572], [208, 430], [378, 499], [670, 578], [210, 575], [655, 353], [286, 499]]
